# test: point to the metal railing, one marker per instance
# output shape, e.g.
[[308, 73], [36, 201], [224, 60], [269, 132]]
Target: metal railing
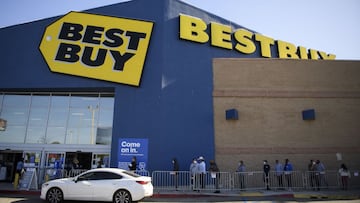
[[322, 180], [221, 181], [254, 180]]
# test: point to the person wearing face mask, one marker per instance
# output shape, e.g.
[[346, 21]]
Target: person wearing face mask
[[279, 173], [132, 165], [175, 171], [266, 174], [320, 173], [215, 174], [311, 171], [288, 168], [193, 171], [202, 171], [241, 170]]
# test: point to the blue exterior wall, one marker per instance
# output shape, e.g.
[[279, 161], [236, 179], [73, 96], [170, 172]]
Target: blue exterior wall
[[173, 105]]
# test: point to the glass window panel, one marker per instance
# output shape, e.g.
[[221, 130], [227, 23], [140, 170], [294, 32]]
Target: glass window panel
[[13, 134], [82, 117], [58, 116], [72, 136], [38, 116], [89, 118], [84, 101], [104, 135], [16, 101], [15, 115], [79, 136], [107, 102], [85, 136], [36, 135], [1, 100], [61, 101], [40, 101], [106, 117], [55, 135]]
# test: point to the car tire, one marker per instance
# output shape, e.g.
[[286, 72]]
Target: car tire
[[54, 195], [122, 196]]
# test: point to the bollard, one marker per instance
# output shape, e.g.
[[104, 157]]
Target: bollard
[[16, 180]]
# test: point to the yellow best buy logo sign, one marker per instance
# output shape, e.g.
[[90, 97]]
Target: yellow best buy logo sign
[[242, 40], [100, 47]]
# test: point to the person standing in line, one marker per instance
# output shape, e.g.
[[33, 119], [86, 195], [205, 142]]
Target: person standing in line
[[345, 175], [320, 172], [312, 177], [279, 173], [19, 171], [241, 170], [99, 164], [288, 168], [202, 171], [20, 166], [175, 172], [215, 174], [266, 174], [193, 172], [132, 165], [75, 163]]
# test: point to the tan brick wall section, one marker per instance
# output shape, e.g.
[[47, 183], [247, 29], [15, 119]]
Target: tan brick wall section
[[270, 95]]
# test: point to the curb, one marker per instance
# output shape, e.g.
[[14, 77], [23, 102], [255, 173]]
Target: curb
[[21, 192], [251, 194], [326, 197], [181, 195], [260, 194]]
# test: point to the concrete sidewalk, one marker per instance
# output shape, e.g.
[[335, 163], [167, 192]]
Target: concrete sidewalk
[[329, 194]]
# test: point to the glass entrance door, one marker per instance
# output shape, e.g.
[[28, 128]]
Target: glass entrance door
[[78, 160], [8, 161], [54, 165], [55, 160], [32, 159], [101, 160]]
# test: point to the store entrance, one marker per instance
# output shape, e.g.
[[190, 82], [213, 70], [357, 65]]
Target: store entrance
[[8, 161], [78, 160]]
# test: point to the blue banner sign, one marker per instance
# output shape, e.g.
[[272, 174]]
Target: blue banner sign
[[130, 148]]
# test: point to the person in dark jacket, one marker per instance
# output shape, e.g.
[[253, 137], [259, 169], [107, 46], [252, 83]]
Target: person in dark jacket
[[132, 165], [288, 168], [214, 170], [175, 171], [266, 174]]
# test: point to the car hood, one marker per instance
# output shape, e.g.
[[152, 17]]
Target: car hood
[[61, 180]]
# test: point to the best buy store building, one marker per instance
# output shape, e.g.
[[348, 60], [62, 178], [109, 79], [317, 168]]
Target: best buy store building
[[110, 83]]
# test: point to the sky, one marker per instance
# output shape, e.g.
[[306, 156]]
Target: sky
[[332, 26]]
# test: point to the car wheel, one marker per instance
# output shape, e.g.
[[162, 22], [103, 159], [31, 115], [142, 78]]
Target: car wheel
[[122, 196], [54, 195]]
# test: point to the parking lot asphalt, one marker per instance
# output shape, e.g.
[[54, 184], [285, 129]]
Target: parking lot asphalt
[[328, 194]]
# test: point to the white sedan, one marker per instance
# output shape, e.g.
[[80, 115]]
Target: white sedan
[[101, 184]]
